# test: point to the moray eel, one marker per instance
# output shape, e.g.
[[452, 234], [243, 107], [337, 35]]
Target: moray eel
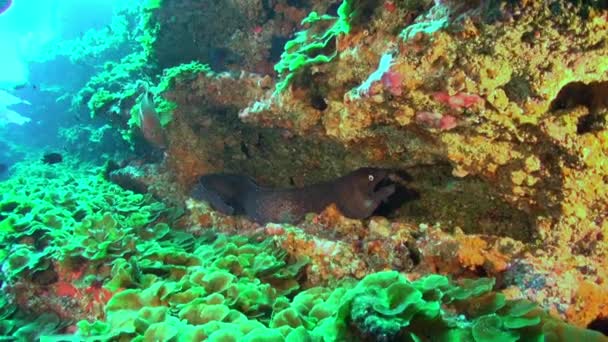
[[357, 195]]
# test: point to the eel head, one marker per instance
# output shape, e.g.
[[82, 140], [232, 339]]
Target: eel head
[[363, 190], [372, 181]]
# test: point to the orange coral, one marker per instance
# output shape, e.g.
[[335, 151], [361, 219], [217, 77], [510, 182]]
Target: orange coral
[[184, 163], [344, 42], [64, 288], [590, 303], [471, 252]]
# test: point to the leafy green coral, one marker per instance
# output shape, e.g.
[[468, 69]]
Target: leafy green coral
[[313, 46], [113, 91], [222, 287], [163, 107], [214, 304], [124, 50], [55, 218], [113, 88], [388, 307], [172, 76], [61, 214], [153, 4], [19, 326]]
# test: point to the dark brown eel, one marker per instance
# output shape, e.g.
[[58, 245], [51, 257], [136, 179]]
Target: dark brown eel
[[356, 195]]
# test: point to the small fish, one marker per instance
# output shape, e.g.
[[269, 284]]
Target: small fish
[[52, 158], [150, 122], [25, 85], [3, 168], [4, 5]]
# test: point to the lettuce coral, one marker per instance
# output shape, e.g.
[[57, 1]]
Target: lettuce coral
[[386, 306], [310, 47], [383, 306], [61, 226], [222, 288]]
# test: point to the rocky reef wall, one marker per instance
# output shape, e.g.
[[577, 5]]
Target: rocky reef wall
[[509, 95]]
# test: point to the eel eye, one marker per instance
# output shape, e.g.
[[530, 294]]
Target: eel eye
[[371, 178]]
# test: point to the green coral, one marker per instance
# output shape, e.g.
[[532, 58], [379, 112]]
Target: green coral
[[221, 287], [387, 306], [216, 304], [113, 91], [150, 28], [313, 46], [153, 4], [24, 258], [164, 108], [170, 78], [101, 100], [181, 74], [21, 327], [65, 214]]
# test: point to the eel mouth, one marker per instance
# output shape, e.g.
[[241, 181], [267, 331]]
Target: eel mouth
[[382, 183], [383, 188], [392, 177], [403, 193]]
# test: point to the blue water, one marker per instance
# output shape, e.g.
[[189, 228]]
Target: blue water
[[29, 29]]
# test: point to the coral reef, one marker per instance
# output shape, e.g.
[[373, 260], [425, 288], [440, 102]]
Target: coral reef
[[61, 228], [129, 272], [507, 97], [497, 110], [233, 35], [307, 48], [339, 247]]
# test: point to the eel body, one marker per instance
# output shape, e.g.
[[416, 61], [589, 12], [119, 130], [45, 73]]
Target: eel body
[[357, 195]]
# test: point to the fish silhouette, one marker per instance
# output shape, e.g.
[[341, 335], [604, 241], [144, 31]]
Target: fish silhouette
[[150, 122], [52, 158]]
